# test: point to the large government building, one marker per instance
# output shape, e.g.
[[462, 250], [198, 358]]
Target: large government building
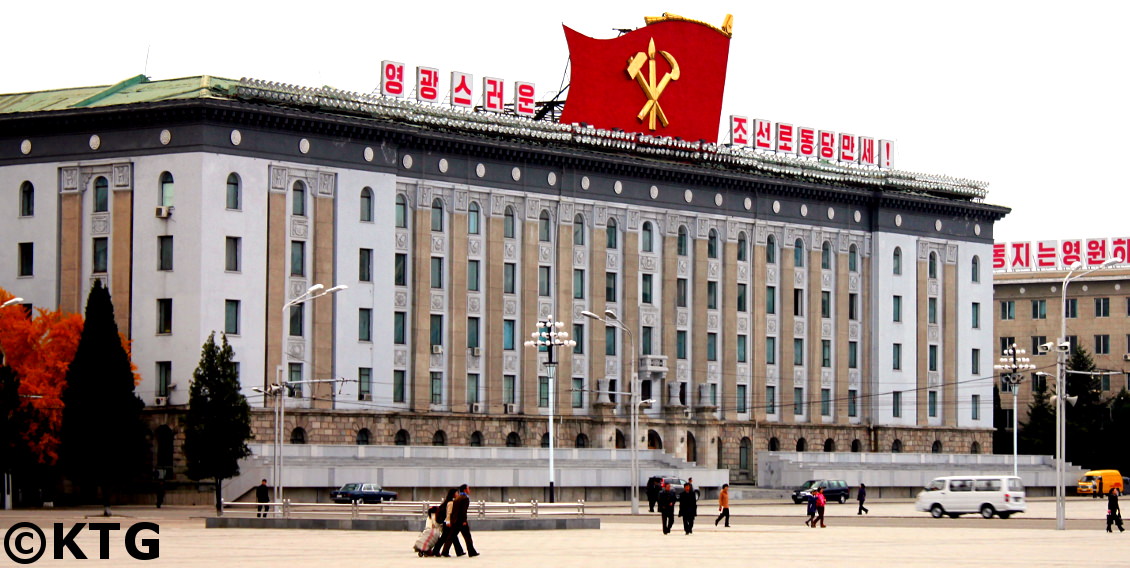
[[773, 302]]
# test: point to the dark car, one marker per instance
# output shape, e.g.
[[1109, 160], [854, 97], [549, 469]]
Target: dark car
[[834, 490], [677, 485], [363, 492]]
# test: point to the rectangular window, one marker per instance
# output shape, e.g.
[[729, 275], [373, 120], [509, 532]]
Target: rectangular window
[[798, 400], [508, 278], [798, 302], [296, 317], [508, 335], [713, 394], [1039, 309], [853, 307], [896, 356], [975, 360], [853, 403], [711, 346], [294, 377], [1102, 345], [231, 317], [27, 259], [770, 399], [508, 382], [472, 332], [742, 340], [543, 281], [1039, 382], [578, 338], [645, 340], [853, 354], [896, 404], [437, 273], [742, 302], [681, 344], [825, 304], [798, 351], [896, 308], [473, 388], [825, 353], [543, 392], [578, 392], [165, 315], [232, 252], [1006, 343], [933, 356], [610, 287], [1008, 309], [976, 315], [645, 288], [365, 265], [164, 377], [473, 275], [165, 252], [399, 327], [932, 403], [712, 295], [437, 387], [1072, 343], [364, 383], [825, 402], [1071, 308], [1037, 341], [400, 270], [398, 380], [364, 324], [976, 406], [609, 340], [742, 395], [578, 284], [932, 310], [100, 249], [297, 258], [770, 300], [770, 350], [1102, 307], [681, 293], [435, 336]]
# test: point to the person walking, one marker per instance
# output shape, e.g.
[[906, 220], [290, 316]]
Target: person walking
[[1113, 514], [666, 501], [688, 507], [443, 511], [458, 521], [810, 500], [821, 501], [724, 505], [861, 496], [654, 485], [262, 495]]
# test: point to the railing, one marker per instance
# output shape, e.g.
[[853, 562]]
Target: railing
[[287, 509]]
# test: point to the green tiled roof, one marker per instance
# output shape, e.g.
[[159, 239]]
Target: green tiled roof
[[137, 89]]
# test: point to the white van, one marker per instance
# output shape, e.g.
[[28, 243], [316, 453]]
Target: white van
[[989, 495]]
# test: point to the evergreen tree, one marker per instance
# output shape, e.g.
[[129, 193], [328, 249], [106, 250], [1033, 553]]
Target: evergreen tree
[[1119, 432], [219, 419], [1085, 416], [1037, 435], [1002, 436], [104, 444]]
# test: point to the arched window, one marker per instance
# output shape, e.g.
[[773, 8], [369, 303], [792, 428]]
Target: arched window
[[508, 223], [582, 441], [298, 436], [513, 440], [798, 253], [896, 262], [401, 438], [856, 446], [366, 205], [578, 230], [829, 445], [654, 441], [975, 269], [165, 196], [620, 441], [896, 447], [439, 438], [102, 194], [234, 194], [692, 447], [712, 244], [476, 439], [801, 445], [770, 250], [437, 215], [545, 440], [27, 199], [744, 450], [401, 211], [774, 444], [364, 437], [473, 218], [932, 267], [543, 227], [682, 245], [613, 239], [826, 256], [742, 246], [937, 447], [975, 448], [853, 259], [298, 199], [648, 238]]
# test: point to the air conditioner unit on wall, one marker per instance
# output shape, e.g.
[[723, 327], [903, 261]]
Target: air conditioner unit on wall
[[163, 212], [161, 401], [1126, 357], [510, 409], [437, 350], [476, 352], [477, 408]]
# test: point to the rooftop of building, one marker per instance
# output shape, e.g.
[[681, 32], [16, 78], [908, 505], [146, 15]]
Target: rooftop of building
[[141, 90]]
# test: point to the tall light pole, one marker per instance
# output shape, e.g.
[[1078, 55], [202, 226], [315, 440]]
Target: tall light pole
[[7, 475], [1014, 361], [1061, 393], [634, 395], [312, 293], [550, 335]]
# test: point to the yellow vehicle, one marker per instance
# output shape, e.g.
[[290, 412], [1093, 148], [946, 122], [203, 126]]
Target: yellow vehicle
[[1099, 482]]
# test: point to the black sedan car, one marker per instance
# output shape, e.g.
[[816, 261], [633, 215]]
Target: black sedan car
[[363, 492], [834, 490]]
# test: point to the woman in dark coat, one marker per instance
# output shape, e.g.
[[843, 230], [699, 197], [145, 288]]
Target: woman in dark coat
[[688, 508], [441, 516]]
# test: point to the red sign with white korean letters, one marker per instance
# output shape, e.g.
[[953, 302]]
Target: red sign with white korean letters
[[1059, 255]]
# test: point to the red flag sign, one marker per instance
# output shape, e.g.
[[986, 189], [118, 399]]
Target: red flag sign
[[664, 79]]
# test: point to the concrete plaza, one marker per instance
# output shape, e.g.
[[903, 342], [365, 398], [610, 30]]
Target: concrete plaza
[[762, 535]]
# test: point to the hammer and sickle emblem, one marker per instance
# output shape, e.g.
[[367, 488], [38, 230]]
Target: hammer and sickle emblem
[[651, 89]]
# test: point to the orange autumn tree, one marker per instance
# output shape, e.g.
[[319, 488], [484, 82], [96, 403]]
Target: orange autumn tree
[[37, 351]]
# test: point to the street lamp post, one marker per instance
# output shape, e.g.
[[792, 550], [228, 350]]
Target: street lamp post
[[312, 293], [1061, 393], [1014, 361], [7, 475], [551, 336], [634, 400]]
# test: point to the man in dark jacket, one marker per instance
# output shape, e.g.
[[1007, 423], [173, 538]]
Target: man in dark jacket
[[666, 502], [262, 495], [1113, 514], [688, 507], [654, 485], [447, 532], [458, 520]]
